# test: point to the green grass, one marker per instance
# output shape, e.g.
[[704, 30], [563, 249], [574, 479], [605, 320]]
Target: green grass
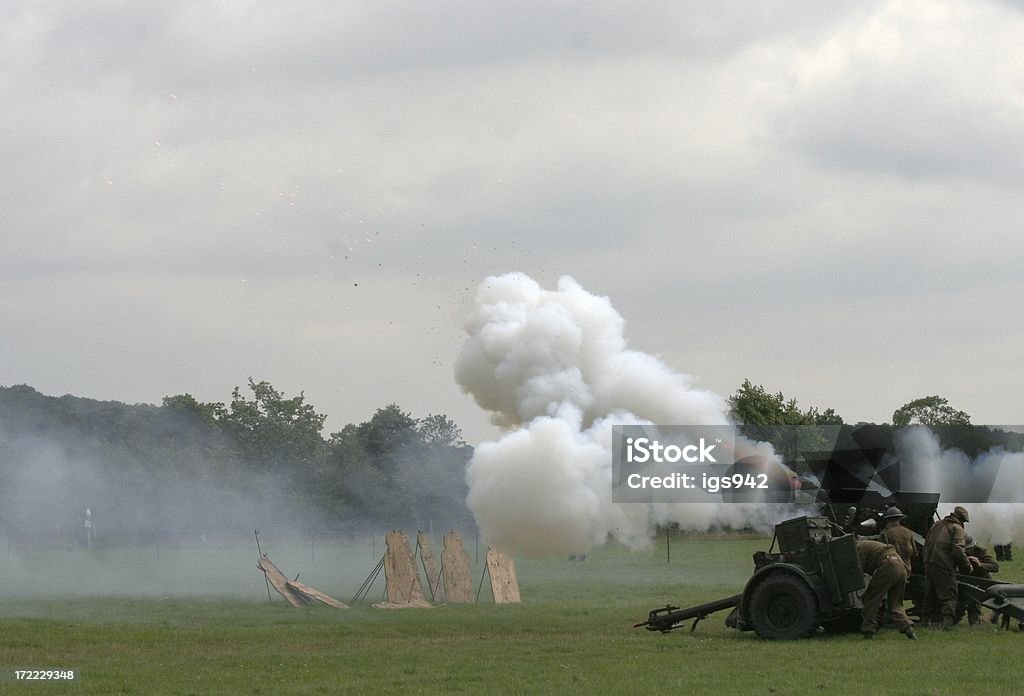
[[571, 635]]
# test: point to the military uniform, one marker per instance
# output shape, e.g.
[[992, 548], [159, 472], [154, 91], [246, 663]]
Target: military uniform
[[902, 539], [985, 566], [888, 582], [944, 555]]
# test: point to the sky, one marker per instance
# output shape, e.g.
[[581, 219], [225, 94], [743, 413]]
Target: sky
[[824, 198]]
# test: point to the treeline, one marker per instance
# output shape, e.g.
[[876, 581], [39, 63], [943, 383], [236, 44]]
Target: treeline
[[771, 417], [188, 467], [261, 459]]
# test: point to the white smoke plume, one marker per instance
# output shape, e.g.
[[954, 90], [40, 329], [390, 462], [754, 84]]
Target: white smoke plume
[[996, 476], [553, 368]]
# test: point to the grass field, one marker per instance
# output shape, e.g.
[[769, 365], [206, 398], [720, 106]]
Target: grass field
[[197, 621]]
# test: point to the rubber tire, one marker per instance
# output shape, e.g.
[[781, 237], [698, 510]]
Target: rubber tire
[[783, 607]]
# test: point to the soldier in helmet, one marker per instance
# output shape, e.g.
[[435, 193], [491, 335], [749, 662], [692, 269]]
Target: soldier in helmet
[[944, 555], [984, 565], [888, 582], [898, 536]]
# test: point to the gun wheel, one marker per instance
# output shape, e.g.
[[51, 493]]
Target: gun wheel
[[783, 607]]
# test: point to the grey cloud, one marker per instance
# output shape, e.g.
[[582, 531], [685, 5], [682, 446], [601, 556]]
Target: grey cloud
[[911, 93], [212, 45], [310, 193]]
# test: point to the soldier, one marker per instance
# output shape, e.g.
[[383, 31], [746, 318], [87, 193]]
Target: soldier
[[899, 536], [944, 555], [888, 581], [984, 565]]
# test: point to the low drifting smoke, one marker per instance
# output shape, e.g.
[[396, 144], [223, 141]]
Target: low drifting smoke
[[554, 370]]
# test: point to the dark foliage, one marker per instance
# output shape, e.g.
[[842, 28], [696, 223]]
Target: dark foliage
[[188, 468]]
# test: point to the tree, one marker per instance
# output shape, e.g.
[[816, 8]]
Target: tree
[[929, 410], [396, 468], [771, 417], [186, 403], [753, 405], [387, 432], [440, 430], [271, 430]]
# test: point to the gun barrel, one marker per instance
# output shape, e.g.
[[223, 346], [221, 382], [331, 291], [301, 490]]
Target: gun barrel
[[668, 617]]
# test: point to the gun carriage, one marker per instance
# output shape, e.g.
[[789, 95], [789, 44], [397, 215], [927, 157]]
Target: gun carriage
[[813, 579]]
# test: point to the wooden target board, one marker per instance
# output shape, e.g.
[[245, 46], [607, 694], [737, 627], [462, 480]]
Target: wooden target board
[[316, 594], [297, 594], [504, 583], [429, 564], [280, 583], [402, 578], [458, 583]]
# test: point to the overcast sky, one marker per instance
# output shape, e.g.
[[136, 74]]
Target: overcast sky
[[825, 198]]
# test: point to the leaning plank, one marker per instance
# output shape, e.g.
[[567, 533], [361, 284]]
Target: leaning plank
[[504, 584], [458, 583], [280, 582], [429, 564], [414, 604], [316, 594], [402, 579]]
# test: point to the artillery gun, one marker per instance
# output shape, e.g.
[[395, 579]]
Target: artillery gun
[[815, 579]]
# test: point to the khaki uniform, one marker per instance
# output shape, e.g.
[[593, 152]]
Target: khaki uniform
[[888, 581], [903, 539], [987, 566], [944, 555]]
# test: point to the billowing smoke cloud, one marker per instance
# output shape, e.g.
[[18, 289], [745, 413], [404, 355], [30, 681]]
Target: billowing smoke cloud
[[996, 476], [553, 368]]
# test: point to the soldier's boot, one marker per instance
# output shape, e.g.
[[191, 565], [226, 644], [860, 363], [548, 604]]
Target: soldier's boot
[[947, 623], [909, 633], [867, 635]]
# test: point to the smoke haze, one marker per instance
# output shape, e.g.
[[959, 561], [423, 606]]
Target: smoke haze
[[174, 501]]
